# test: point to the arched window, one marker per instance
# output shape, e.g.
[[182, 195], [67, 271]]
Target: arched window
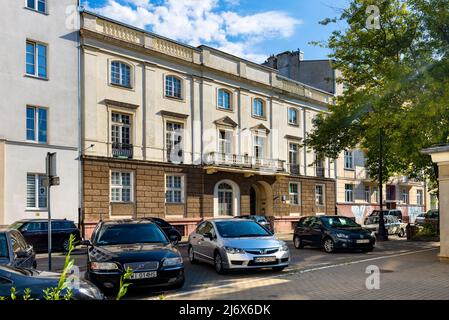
[[173, 87], [120, 74], [224, 99], [225, 200], [258, 108], [292, 116]]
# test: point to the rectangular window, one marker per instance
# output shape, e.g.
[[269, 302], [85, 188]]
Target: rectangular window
[[404, 195], [293, 157], [294, 193], [121, 186], [174, 189], [174, 141], [419, 197], [376, 194], [36, 59], [319, 166], [36, 192], [38, 5], [349, 193], [121, 135], [225, 142], [258, 108], [259, 147], [367, 194], [292, 116], [349, 160], [36, 124], [319, 195]]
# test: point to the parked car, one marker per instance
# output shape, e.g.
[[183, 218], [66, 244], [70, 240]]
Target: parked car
[[332, 233], [430, 216], [262, 220], [237, 244], [392, 224], [38, 281], [170, 231], [393, 212], [35, 232], [15, 251], [138, 244]]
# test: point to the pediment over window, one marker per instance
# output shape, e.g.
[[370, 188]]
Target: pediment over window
[[260, 127], [173, 114], [226, 122], [289, 137], [109, 102]]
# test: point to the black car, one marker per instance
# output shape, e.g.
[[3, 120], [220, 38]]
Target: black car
[[15, 251], [170, 231], [35, 232], [37, 281], [137, 244], [259, 219], [332, 233]]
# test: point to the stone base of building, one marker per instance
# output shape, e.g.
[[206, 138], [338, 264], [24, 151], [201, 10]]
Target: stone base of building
[[261, 194]]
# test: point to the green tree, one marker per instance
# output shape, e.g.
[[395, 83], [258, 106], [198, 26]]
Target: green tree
[[396, 78]]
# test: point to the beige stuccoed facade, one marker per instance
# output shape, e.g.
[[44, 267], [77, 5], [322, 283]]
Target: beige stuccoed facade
[[258, 172]]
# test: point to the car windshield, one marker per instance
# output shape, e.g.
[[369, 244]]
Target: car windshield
[[3, 246], [240, 229], [129, 234], [339, 222]]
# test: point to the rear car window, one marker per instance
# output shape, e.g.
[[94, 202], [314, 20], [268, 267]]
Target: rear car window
[[4, 252]]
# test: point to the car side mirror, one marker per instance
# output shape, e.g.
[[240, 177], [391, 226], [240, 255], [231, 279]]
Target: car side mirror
[[22, 254], [86, 243], [208, 235], [173, 239]]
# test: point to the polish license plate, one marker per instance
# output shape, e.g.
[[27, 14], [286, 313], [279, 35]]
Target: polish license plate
[[143, 275], [265, 259], [363, 241]]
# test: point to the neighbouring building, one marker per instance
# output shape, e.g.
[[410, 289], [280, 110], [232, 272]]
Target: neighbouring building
[[357, 194], [39, 108], [186, 133]]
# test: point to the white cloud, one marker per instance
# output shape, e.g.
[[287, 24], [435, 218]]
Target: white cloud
[[201, 22]]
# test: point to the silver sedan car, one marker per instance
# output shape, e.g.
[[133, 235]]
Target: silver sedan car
[[237, 244]]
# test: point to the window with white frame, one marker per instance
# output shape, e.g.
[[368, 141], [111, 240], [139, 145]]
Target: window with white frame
[[120, 74], [36, 192], [174, 189], [294, 193], [173, 87], [319, 195], [367, 194], [349, 193], [36, 59], [319, 165], [224, 141], [404, 195], [419, 197], [121, 186], [259, 147], [38, 5], [224, 99], [225, 200], [293, 157], [376, 194], [349, 159], [174, 141], [293, 116], [258, 108], [36, 124]]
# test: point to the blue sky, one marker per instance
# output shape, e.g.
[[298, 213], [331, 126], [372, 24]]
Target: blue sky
[[252, 29]]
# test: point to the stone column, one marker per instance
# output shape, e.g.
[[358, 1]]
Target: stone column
[[440, 155]]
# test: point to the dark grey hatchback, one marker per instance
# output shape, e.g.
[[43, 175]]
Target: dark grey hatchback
[[332, 233]]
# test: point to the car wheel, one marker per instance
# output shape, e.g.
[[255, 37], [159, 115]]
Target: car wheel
[[329, 245], [178, 285], [279, 269], [401, 233], [298, 242], [218, 263], [65, 245], [192, 258]]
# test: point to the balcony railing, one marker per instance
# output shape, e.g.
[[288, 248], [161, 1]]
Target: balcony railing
[[319, 171], [294, 169], [248, 162], [122, 150]]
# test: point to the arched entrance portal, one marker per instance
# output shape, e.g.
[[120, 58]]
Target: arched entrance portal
[[261, 199]]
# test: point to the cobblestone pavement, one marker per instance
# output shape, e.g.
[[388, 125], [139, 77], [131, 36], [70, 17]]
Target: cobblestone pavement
[[409, 270]]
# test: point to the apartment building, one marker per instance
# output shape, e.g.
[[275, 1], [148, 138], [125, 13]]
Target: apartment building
[[39, 107], [186, 133], [357, 194]]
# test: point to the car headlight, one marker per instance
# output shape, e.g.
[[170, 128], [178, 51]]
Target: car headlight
[[172, 262], [91, 293], [233, 250], [342, 235], [105, 266], [284, 246]]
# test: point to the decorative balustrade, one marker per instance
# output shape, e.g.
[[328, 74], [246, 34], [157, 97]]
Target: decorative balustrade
[[248, 162]]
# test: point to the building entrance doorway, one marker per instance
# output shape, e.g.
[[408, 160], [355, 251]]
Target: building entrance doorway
[[261, 199]]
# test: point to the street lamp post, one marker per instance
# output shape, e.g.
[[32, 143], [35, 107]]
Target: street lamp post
[[381, 234]]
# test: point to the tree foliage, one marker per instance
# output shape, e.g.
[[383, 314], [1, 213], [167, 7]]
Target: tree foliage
[[396, 79]]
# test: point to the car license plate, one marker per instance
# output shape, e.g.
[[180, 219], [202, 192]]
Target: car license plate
[[143, 275], [363, 241], [265, 259]]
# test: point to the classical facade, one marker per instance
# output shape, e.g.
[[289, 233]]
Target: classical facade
[[186, 133], [39, 108]]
